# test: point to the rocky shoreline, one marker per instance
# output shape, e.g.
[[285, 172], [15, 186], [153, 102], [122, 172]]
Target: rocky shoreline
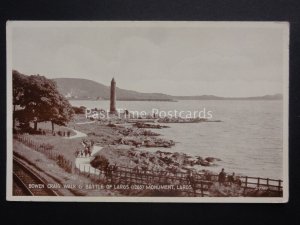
[[149, 126], [126, 144], [156, 161], [122, 134]]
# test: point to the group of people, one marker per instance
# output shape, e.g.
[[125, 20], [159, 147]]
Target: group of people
[[231, 179], [87, 148]]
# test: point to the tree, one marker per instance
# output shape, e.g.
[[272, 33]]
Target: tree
[[41, 101], [60, 112], [79, 110], [19, 86]]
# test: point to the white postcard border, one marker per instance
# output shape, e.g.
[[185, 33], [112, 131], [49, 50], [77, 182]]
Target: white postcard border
[[9, 183]]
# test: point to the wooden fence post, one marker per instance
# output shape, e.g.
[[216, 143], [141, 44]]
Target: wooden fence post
[[246, 184], [279, 184]]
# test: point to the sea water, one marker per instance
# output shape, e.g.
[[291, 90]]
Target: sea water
[[248, 140]]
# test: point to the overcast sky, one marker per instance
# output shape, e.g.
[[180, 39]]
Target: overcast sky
[[234, 61]]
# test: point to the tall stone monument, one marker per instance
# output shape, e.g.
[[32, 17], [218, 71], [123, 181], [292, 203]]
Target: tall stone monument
[[113, 97]]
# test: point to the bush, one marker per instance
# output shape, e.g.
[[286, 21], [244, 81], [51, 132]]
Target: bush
[[79, 110], [100, 162]]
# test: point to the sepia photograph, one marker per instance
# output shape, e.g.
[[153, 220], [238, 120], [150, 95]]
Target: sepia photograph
[[154, 111]]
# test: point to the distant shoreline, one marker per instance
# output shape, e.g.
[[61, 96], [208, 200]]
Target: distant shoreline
[[144, 100], [176, 100], [83, 89]]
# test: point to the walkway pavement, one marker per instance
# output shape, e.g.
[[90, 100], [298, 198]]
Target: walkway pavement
[[84, 163], [77, 135], [79, 123]]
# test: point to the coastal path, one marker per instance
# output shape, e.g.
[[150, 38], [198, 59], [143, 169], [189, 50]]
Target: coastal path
[[80, 123], [83, 163], [78, 134], [200, 181]]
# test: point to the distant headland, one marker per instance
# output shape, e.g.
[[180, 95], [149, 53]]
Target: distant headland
[[84, 89]]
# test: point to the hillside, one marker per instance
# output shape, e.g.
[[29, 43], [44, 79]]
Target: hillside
[[86, 89], [213, 97], [75, 88]]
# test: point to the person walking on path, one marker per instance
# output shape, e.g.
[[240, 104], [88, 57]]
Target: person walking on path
[[191, 180], [222, 177]]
